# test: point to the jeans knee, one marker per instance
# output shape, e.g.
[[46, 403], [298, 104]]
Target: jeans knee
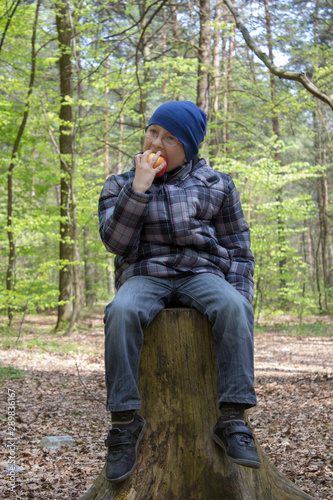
[[234, 316], [122, 313], [123, 333], [239, 306], [116, 311]]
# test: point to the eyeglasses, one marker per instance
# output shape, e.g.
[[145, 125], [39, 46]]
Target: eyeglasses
[[168, 140]]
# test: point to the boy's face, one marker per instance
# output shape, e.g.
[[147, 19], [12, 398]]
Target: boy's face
[[171, 149]]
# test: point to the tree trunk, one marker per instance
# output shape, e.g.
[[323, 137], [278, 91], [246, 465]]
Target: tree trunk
[[89, 269], [277, 157], [204, 57], [176, 30], [66, 150], [10, 228], [320, 159], [214, 142], [228, 44], [177, 458]]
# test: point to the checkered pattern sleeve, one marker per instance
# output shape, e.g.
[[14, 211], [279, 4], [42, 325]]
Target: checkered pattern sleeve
[[234, 234], [122, 213]]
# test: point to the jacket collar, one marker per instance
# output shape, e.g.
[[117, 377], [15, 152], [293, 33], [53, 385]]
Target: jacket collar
[[181, 172]]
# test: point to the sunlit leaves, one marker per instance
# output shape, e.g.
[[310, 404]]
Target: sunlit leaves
[[124, 64]]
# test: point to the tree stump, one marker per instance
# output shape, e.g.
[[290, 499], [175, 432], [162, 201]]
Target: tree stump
[[177, 458]]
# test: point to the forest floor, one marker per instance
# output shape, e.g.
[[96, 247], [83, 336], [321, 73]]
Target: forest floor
[[57, 383]]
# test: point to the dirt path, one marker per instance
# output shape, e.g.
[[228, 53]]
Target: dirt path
[[293, 420]]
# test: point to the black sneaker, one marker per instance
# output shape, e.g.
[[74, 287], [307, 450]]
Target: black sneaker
[[122, 450], [237, 440]]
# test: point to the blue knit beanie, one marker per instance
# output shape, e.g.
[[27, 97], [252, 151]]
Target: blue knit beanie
[[184, 120]]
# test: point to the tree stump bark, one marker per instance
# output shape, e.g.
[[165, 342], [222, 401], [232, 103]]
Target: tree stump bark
[[177, 458]]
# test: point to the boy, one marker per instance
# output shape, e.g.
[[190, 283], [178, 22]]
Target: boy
[[179, 238]]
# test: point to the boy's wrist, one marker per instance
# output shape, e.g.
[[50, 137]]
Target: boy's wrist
[[139, 188]]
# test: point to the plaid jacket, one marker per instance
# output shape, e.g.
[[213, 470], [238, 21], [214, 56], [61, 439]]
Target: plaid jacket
[[190, 220]]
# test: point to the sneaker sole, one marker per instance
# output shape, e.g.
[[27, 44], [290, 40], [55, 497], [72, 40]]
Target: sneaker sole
[[245, 463], [125, 476]]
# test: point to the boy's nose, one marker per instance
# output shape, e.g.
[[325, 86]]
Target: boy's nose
[[158, 140]]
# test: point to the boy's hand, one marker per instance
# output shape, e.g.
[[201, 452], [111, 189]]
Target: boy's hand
[[145, 172]]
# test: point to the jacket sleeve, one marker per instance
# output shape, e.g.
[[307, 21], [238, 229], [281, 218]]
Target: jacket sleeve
[[122, 212], [234, 235]]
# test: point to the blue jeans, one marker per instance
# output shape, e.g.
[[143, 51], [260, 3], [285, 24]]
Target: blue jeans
[[141, 298]]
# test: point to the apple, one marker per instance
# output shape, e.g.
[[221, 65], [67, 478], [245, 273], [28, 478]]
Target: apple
[[158, 162]]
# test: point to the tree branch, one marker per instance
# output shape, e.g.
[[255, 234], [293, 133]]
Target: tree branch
[[138, 48], [10, 17], [281, 73]]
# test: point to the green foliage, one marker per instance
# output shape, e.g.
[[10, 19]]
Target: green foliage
[[297, 330], [51, 346], [11, 373], [125, 63], [40, 345]]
